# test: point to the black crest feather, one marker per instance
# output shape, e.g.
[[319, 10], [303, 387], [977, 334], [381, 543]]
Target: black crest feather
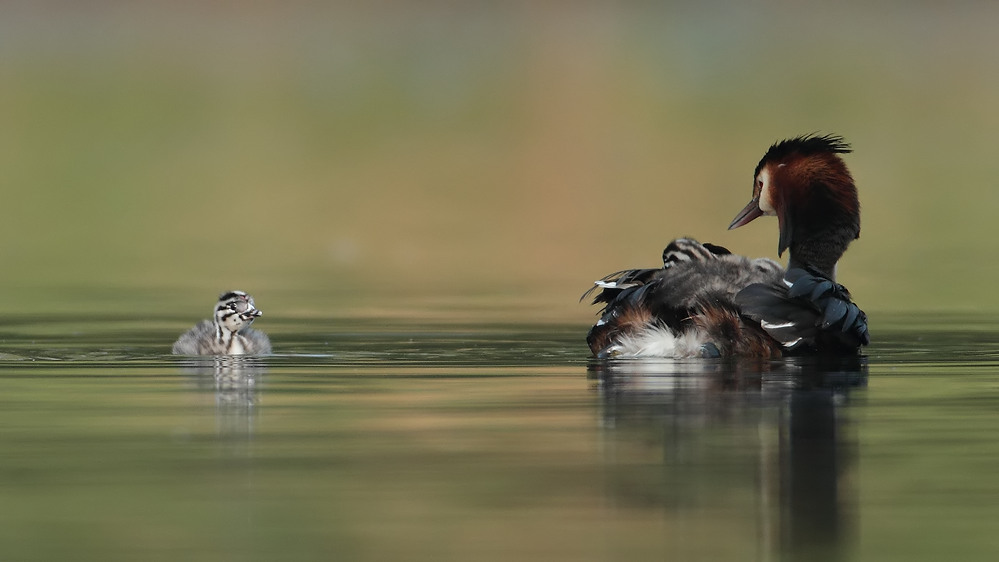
[[804, 145]]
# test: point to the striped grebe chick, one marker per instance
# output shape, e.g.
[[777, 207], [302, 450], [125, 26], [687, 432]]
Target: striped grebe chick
[[228, 332]]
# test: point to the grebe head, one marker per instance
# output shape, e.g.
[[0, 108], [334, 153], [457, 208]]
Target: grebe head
[[805, 183], [235, 311]]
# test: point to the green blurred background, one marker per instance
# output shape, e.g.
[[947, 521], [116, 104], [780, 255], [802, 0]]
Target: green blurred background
[[404, 157]]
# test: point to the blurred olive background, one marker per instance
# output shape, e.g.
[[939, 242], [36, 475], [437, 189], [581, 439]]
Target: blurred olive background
[[397, 156]]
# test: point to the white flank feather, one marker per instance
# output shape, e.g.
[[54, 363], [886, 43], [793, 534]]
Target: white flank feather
[[659, 341]]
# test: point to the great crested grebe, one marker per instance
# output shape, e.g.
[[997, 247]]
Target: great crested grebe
[[707, 302], [229, 332]]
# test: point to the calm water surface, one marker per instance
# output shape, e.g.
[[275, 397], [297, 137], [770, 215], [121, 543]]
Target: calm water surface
[[401, 440]]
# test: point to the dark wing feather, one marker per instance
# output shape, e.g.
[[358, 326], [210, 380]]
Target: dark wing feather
[[842, 320], [791, 321], [611, 285], [807, 311]]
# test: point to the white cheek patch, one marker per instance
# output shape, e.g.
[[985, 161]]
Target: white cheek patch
[[766, 193]]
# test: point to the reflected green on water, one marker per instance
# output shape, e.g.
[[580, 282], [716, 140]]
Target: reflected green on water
[[392, 439]]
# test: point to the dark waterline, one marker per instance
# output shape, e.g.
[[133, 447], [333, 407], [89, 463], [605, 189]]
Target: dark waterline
[[405, 440]]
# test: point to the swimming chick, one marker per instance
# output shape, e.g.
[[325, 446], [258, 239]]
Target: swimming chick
[[229, 332], [707, 302]]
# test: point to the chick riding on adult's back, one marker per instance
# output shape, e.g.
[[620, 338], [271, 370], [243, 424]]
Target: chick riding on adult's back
[[707, 302]]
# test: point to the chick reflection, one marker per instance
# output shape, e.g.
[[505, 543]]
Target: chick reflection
[[233, 379], [759, 448]]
